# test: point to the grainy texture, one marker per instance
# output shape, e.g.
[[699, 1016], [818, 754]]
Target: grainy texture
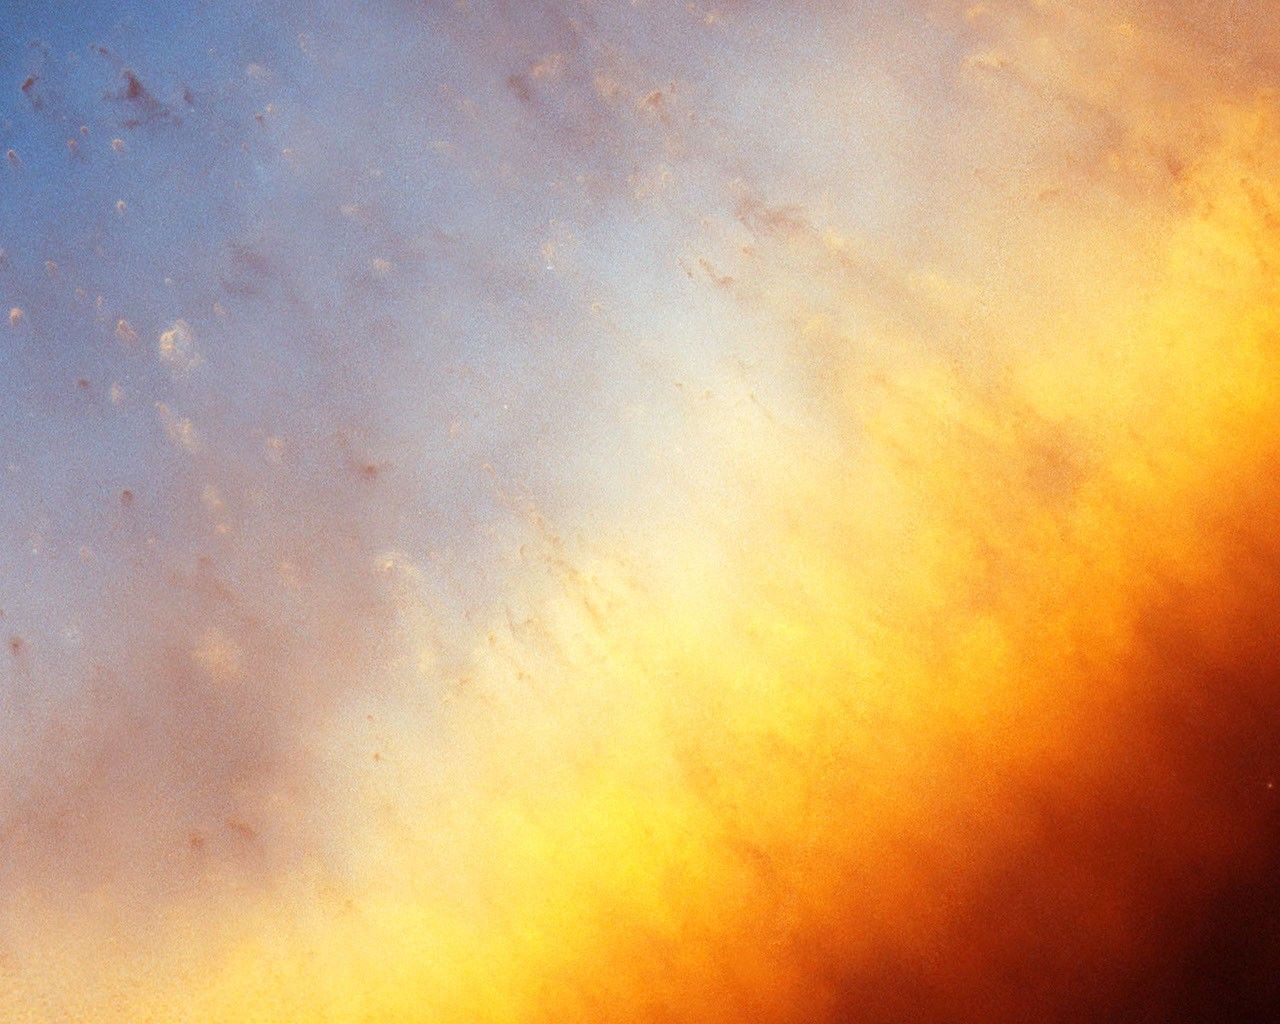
[[580, 511]]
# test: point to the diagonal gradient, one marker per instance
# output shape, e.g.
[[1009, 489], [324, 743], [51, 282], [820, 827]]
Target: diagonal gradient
[[570, 510]]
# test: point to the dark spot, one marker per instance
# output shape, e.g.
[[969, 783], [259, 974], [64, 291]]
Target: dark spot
[[136, 94], [126, 497], [250, 259], [29, 84], [244, 289], [719, 280], [16, 644], [761, 218], [195, 841], [244, 831], [82, 383], [519, 87]]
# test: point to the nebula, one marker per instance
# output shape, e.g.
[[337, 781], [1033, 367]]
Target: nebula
[[579, 511]]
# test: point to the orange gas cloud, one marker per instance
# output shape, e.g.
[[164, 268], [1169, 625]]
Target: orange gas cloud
[[928, 671]]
